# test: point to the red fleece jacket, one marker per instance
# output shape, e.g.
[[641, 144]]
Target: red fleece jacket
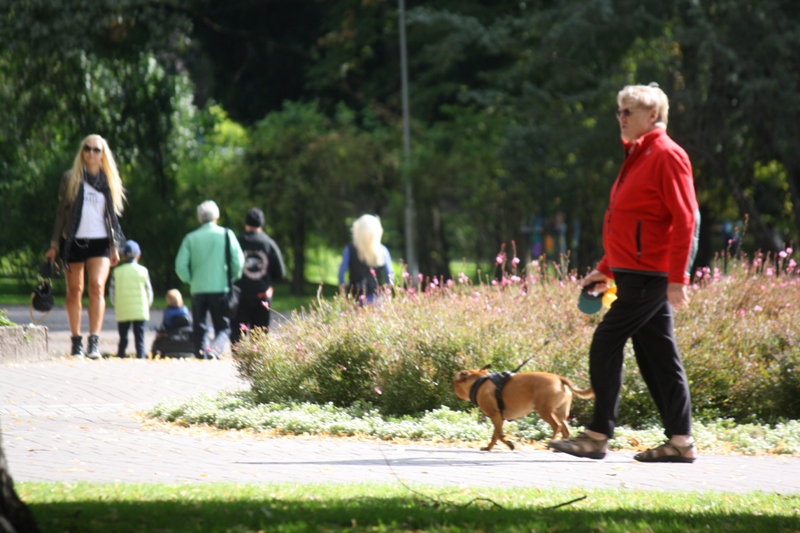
[[652, 219]]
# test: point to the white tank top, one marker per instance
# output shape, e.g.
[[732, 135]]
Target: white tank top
[[92, 225]]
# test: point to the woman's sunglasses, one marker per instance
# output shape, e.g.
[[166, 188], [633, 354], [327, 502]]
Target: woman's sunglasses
[[94, 149]]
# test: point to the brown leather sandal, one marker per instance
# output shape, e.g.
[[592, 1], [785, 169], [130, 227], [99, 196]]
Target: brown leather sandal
[[582, 445], [666, 453]]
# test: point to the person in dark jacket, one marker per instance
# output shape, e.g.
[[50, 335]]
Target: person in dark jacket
[[366, 261], [263, 266], [87, 236], [650, 236]]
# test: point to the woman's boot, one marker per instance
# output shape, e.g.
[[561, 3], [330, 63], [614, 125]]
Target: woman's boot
[[77, 346], [94, 347]]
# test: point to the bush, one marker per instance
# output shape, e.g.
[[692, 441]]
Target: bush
[[738, 339]]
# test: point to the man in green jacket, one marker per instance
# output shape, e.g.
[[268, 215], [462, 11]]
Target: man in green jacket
[[201, 264]]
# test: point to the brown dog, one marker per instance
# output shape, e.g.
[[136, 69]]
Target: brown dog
[[548, 394]]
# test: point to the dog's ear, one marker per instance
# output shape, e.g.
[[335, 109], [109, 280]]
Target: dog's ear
[[486, 366], [461, 375]]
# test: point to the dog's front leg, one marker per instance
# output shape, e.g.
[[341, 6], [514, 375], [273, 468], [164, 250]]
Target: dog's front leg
[[497, 421]]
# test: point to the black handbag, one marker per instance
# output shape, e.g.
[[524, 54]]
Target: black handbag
[[231, 301], [42, 298]]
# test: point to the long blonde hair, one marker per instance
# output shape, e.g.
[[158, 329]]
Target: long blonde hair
[[109, 166], [367, 233]]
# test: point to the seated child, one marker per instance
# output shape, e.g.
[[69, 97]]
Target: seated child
[[176, 314]]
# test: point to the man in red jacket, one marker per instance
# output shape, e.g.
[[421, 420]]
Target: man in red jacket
[[650, 238]]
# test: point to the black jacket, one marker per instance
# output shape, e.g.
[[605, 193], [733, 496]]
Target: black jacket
[[263, 263]]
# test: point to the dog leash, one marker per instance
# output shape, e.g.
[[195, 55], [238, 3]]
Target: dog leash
[[525, 362]]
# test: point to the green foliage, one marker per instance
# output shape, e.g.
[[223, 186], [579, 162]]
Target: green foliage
[[240, 411], [311, 173], [738, 340], [416, 341], [4, 320]]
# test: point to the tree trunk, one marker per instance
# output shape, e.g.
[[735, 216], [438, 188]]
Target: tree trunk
[[434, 259], [15, 517]]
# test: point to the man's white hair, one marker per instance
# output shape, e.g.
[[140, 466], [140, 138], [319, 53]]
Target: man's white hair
[[208, 211], [648, 97]]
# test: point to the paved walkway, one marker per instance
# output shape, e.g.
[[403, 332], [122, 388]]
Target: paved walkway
[[65, 420]]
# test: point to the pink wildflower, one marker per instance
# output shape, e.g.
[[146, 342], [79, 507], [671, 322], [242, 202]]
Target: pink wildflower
[[419, 277], [494, 282], [450, 282], [362, 297], [758, 308], [372, 272], [379, 391], [789, 251], [515, 261], [741, 312], [500, 258], [515, 279], [782, 254], [406, 275], [242, 327], [265, 303]]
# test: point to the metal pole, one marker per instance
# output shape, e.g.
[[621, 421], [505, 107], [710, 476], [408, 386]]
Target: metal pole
[[411, 255]]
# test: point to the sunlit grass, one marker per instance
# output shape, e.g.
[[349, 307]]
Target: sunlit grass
[[390, 508]]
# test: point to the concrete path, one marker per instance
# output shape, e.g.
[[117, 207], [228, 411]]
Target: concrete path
[[66, 420]]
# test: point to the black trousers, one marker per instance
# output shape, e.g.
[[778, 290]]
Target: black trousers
[[138, 338], [205, 304], [253, 312], [643, 314]]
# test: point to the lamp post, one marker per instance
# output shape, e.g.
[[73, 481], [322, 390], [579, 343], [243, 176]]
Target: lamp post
[[410, 214]]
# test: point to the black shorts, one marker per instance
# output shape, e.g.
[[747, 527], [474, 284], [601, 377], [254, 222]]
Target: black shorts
[[83, 249]]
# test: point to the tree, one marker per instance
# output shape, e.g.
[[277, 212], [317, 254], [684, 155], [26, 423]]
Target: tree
[[739, 98], [15, 516], [312, 173]]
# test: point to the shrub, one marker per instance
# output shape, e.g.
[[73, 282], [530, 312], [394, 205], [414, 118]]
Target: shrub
[[738, 339]]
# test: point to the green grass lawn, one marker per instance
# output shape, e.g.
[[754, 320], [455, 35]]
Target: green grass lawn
[[396, 507]]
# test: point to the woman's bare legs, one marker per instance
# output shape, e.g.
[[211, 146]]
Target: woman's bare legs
[[74, 296], [97, 269]]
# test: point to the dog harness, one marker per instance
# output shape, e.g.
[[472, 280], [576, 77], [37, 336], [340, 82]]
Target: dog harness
[[499, 379]]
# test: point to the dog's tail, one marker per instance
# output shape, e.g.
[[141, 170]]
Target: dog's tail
[[580, 393]]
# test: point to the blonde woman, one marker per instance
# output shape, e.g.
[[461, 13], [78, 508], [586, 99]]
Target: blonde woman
[[87, 236], [366, 260]]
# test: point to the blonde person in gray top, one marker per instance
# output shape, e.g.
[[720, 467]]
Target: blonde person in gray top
[[87, 236]]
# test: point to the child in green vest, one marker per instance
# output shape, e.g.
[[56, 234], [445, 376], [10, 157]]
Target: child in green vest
[[131, 295]]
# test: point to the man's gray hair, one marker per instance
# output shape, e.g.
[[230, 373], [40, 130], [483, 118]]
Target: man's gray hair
[[208, 211]]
